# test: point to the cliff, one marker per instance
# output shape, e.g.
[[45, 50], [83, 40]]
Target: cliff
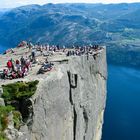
[[69, 102]]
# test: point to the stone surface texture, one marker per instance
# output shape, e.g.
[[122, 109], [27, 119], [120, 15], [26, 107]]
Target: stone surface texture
[[69, 103]]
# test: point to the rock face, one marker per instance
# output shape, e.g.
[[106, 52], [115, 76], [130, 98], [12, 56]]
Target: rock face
[[69, 104], [2, 102]]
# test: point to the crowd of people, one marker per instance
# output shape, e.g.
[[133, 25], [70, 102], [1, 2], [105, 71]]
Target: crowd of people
[[20, 68], [70, 50], [78, 51], [16, 68]]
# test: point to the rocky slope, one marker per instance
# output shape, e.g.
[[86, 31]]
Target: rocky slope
[[69, 102]]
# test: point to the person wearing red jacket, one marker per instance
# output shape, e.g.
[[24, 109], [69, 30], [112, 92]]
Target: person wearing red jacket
[[9, 65]]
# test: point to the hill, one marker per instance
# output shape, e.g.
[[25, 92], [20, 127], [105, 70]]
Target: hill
[[115, 25]]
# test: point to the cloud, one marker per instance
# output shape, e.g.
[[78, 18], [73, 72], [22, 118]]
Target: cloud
[[94, 1], [15, 3]]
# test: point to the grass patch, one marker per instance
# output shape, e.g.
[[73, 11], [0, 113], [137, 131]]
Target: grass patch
[[17, 119], [4, 111], [2, 136], [19, 90]]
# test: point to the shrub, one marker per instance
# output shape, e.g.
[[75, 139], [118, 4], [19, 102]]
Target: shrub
[[15, 92], [19, 90]]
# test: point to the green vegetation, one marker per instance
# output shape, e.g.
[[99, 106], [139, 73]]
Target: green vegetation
[[4, 111], [17, 119], [19, 90], [2, 136], [16, 91]]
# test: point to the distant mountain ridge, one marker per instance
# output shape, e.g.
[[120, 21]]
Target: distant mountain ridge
[[115, 25], [72, 22]]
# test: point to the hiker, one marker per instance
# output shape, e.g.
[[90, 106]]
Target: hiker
[[24, 71], [58, 47], [13, 75], [12, 51], [54, 49], [9, 65], [68, 53], [33, 55], [20, 73], [22, 61], [30, 45], [47, 66], [64, 48], [46, 60], [5, 74], [27, 64], [17, 64], [41, 49], [13, 64], [47, 47]]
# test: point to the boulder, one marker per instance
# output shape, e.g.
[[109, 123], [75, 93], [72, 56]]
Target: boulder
[[2, 102]]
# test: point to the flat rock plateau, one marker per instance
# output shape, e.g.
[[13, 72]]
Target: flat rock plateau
[[70, 99]]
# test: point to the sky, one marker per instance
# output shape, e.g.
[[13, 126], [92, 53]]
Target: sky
[[15, 3]]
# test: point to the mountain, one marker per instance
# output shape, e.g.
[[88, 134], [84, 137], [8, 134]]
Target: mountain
[[114, 25]]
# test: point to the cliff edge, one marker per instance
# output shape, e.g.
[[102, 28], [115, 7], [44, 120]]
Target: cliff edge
[[69, 102]]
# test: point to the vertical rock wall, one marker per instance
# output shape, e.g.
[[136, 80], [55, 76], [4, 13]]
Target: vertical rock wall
[[69, 104]]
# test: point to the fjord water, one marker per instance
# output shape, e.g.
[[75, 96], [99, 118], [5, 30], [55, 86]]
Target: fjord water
[[122, 115]]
